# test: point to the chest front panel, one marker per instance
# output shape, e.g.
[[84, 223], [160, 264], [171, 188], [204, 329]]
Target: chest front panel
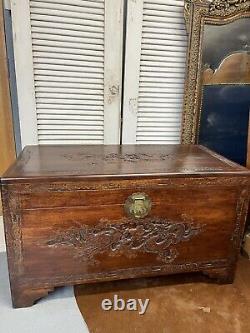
[[89, 228]]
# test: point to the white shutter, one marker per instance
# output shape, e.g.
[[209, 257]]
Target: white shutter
[[68, 57], [156, 44]]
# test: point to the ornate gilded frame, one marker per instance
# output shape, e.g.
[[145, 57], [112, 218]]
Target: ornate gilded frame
[[198, 13]]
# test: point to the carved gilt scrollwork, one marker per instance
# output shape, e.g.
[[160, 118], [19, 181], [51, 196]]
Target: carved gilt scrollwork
[[187, 6], [227, 7]]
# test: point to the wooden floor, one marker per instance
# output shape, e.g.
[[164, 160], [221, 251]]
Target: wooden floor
[[178, 304]]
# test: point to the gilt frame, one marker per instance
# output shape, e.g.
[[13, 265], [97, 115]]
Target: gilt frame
[[197, 13]]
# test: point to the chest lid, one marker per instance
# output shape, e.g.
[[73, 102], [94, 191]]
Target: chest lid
[[55, 162]]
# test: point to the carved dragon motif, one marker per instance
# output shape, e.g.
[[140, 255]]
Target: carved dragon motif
[[128, 236], [112, 157]]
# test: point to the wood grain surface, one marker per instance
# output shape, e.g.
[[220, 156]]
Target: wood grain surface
[[37, 163]]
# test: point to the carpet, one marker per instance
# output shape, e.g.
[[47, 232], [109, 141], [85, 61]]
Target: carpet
[[178, 304]]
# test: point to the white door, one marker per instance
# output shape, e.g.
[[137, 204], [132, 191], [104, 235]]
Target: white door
[[68, 58], [156, 44]]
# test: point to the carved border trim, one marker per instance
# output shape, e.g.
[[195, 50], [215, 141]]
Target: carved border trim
[[13, 231], [241, 215], [19, 189], [129, 273]]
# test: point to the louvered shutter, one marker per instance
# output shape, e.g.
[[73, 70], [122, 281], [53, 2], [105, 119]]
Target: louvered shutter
[[155, 60], [68, 57]]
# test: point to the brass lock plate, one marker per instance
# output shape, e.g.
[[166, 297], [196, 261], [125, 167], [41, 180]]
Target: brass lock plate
[[138, 205]]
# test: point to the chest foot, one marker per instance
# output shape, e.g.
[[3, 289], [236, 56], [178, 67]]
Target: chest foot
[[24, 297], [223, 275]]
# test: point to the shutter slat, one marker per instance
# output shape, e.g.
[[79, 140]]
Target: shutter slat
[[83, 74], [151, 119], [163, 105], [71, 7], [77, 91], [69, 39], [165, 69], [178, 45], [156, 92], [68, 20], [163, 18], [65, 80], [156, 112], [55, 123], [68, 63], [161, 79], [71, 136], [76, 27], [69, 101], [161, 53], [162, 60], [80, 3], [161, 130], [66, 141], [57, 50], [164, 47], [41, 60], [165, 30], [69, 85], [89, 19], [174, 38], [66, 96], [170, 12], [164, 84], [57, 114], [68, 57], [66, 44], [75, 127], [174, 3], [77, 130], [66, 32], [157, 75], [160, 96], [163, 25], [72, 106]]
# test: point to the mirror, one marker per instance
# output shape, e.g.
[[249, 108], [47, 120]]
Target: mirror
[[217, 92]]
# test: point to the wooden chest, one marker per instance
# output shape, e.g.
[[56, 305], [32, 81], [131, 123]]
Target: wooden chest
[[76, 214]]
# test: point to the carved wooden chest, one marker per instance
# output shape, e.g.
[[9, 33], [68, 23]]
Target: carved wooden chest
[[76, 214]]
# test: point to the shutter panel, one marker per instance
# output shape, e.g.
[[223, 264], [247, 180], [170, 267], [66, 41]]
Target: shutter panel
[[71, 79], [156, 46]]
